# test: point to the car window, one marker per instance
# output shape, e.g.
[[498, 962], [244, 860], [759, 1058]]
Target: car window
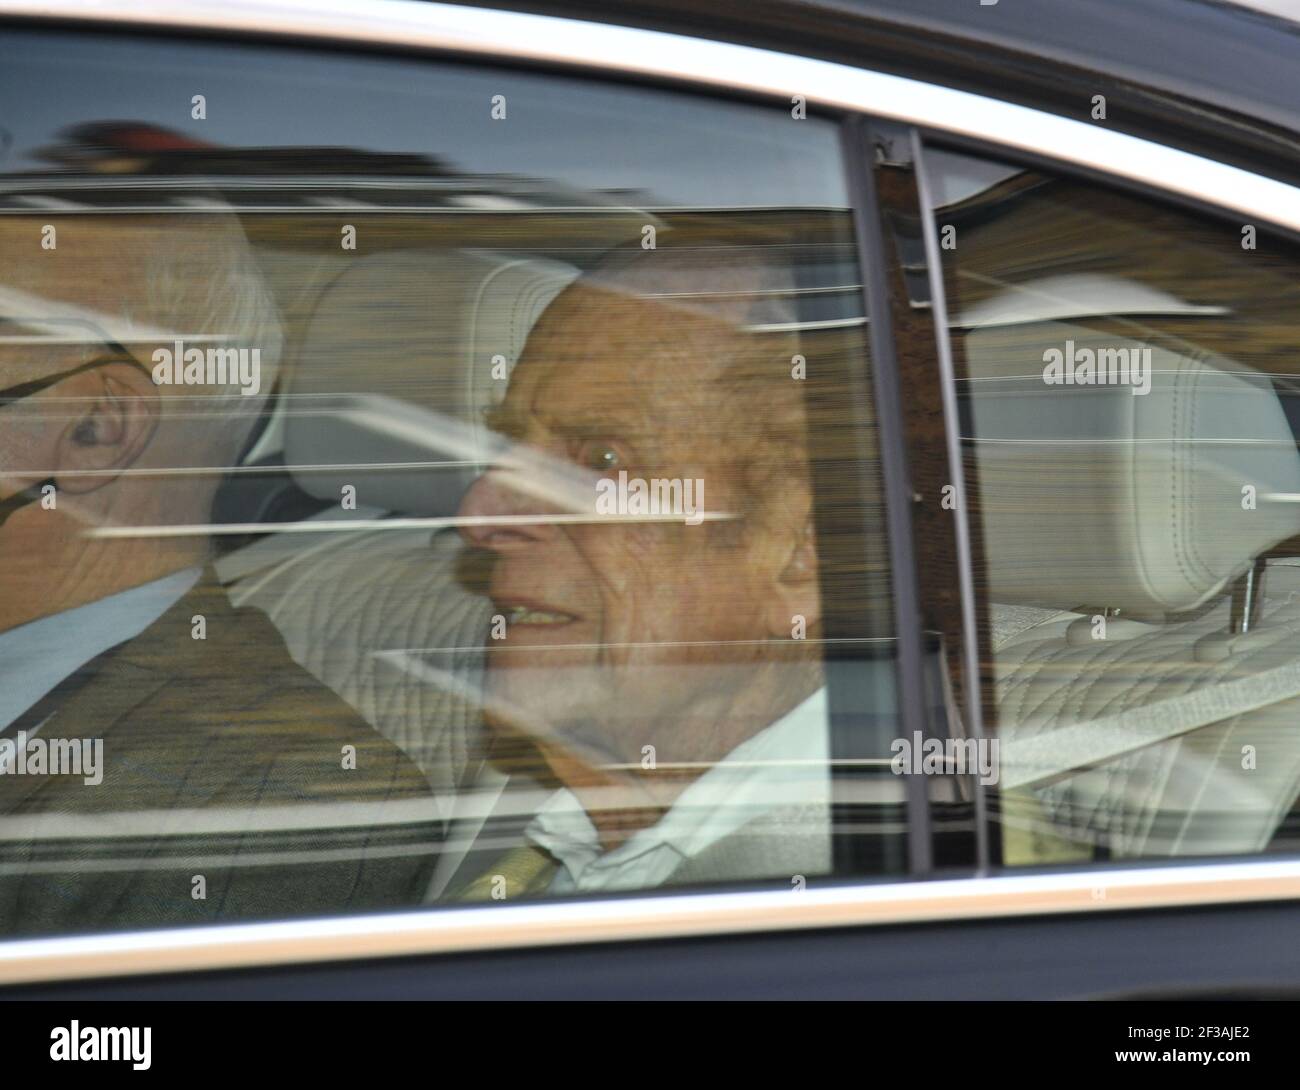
[[1129, 386], [424, 484]]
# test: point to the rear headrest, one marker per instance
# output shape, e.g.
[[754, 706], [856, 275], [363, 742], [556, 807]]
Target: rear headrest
[[421, 329], [1094, 495]]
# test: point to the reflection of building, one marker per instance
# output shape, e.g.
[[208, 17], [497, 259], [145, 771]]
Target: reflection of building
[[123, 165], [127, 147]]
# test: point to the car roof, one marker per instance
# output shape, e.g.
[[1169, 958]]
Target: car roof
[[1218, 77]]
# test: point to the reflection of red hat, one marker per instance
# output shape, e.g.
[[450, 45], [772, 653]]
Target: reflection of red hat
[[133, 136]]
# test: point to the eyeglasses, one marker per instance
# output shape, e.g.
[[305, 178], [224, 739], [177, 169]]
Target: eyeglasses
[[91, 333], [34, 386], [116, 354]]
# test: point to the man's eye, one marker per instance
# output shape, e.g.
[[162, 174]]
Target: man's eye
[[602, 457]]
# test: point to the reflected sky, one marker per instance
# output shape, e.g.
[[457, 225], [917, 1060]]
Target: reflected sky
[[672, 148]]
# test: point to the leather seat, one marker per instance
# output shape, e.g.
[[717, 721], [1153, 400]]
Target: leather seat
[[395, 369], [1096, 502]]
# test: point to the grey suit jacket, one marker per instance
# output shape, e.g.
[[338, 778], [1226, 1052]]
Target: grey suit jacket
[[228, 790]]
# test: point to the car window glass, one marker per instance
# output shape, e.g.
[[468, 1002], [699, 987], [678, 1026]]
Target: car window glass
[[424, 484], [1129, 385]]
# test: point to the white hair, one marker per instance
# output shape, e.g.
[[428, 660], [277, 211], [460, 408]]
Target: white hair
[[740, 285], [210, 284]]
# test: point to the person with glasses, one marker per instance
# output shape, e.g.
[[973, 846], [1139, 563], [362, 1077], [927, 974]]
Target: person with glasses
[[163, 760]]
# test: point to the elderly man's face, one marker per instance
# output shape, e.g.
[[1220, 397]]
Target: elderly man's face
[[79, 322], [108, 292], [622, 635], [49, 303]]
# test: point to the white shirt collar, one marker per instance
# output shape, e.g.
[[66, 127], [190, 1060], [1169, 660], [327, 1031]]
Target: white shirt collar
[[36, 657], [784, 764]]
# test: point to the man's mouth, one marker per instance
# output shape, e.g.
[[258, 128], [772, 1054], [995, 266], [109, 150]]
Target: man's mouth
[[534, 616]]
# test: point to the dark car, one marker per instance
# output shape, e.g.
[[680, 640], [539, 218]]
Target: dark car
[[683, 500]]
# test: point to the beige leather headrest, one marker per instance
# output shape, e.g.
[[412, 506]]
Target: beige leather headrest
[[422, 330], [1094, 495]]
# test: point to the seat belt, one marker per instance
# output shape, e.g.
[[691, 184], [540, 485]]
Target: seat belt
[[1031, 762]]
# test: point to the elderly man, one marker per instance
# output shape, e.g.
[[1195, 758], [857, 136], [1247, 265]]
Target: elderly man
[[162, 759], [664, 663]]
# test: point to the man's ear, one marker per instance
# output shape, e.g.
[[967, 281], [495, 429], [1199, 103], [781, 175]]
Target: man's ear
[[796, 591], [116, 414]]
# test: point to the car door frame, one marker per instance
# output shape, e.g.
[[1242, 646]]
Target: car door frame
[[755, 925]]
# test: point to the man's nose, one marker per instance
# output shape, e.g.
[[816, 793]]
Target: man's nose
[[503, 516]]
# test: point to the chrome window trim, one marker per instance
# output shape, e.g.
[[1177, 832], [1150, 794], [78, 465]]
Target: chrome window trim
[[662, 916], [971, 685], [622, 51], [503, 35]]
